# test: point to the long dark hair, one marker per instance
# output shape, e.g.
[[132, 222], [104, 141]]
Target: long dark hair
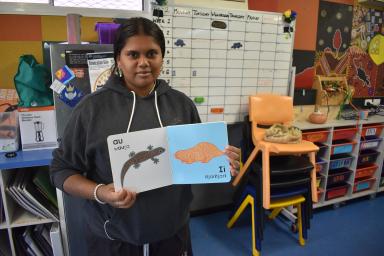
[[133, 27]]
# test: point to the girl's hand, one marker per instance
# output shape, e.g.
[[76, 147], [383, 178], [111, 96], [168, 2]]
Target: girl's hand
[[233, 154], [120, 199]]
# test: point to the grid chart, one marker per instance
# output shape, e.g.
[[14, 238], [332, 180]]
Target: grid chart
[[220, 57]]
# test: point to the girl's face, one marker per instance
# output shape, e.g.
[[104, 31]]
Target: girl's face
[[140, 61]]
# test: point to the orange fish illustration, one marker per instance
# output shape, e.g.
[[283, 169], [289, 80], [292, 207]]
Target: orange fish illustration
[[202, 152]]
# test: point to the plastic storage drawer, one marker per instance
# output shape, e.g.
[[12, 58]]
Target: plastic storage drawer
[[363, 184], [322, 149], [320, 191], [320, 165], [319, 180], [347, 133], [338, 176], [365, 171], [316, 135], [340, 161], [336, 191], [342, 146], [372, 130], [367, 157], [371, 142]]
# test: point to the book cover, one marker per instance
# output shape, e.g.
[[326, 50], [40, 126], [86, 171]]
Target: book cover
[[150, 159], [99, 66], [43, 184]]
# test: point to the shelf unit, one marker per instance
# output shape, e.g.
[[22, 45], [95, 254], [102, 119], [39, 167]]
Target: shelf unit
[[15, 215], [324, 136]]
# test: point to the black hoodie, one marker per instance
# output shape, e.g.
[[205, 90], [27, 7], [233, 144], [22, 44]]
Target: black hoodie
[[157, 214]]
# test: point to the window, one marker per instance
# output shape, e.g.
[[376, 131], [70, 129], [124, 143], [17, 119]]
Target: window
[[86, 8], [26, 1], [133, 5]]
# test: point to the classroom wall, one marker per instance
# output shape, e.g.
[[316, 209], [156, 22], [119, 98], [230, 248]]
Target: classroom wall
[[24, 34], [306, 26]]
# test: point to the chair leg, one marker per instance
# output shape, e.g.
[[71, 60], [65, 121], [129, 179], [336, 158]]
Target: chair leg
[[275, 212], [239, 211], [248, 200], [300, 224], [245, 166]]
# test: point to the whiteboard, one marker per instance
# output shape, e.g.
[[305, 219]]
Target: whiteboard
[[220, 57]]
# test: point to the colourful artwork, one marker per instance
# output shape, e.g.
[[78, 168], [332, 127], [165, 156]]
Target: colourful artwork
[[376, 49], [330, 63], [334, 27], [304, 63], [366, 24], [362, 74]]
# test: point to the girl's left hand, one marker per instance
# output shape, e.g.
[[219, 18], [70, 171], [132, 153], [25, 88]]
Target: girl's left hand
[[233, 154]]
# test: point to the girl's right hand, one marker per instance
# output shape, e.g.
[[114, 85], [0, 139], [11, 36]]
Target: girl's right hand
[[120, 199]]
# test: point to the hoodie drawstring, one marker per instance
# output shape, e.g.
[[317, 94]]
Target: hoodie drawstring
[[133, 110], [157, 110]]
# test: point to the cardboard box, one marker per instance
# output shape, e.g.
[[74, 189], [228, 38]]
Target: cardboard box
[[9, 131], [38, 128]]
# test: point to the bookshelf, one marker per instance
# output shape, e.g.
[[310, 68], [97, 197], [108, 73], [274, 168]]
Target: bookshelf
[[16, 217], [352, 146]]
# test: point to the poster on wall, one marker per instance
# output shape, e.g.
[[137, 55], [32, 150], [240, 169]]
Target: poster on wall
[[334, 27], [304, 63]]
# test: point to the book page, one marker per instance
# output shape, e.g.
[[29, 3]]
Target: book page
[[99, 65], [139, 160], [196, 153]]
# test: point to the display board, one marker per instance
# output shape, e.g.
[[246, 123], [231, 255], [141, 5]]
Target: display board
[[220, 57]]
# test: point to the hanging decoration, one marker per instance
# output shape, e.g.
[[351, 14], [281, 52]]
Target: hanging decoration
[[288, 16]]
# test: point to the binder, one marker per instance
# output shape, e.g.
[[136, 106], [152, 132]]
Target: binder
[[56, 243]]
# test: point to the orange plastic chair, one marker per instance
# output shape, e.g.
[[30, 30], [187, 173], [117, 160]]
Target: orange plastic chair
[[266, 110]]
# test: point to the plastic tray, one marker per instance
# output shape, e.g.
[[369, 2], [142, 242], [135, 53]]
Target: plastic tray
[[322, 149], [345, 133], [365, 171], [367, 157], [320, 165], [337, 191], [369, 142], [316, 135], [342, 146], [338, 176], [340, 161], [372, 129], [363, 184], [320, 191]]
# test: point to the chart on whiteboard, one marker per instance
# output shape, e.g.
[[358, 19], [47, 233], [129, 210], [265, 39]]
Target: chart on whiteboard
[[220, 57]]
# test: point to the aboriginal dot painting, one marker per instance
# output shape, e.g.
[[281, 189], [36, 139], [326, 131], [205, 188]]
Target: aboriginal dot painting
[[334, 27]]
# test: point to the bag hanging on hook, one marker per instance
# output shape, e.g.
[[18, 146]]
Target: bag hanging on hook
[[32, 82]]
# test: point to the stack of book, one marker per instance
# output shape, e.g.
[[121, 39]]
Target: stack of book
[[34, 240], [32, 191]]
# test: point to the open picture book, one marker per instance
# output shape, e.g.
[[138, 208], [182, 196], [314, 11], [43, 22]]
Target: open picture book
[[181, 154]]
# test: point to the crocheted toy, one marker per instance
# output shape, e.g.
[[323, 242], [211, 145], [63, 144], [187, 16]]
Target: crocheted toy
[[279, 133]]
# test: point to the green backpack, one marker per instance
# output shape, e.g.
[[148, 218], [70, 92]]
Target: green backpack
[[32, 82]]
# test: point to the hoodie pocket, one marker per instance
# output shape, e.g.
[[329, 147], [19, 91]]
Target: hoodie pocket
[[98, 218]]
